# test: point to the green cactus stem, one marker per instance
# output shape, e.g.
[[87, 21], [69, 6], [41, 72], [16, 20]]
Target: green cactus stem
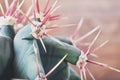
[[6, 51]]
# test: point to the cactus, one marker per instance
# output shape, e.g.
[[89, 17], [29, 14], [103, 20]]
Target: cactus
[[47, 47], [37, 55], [6, 51], [83, 58], [7, 22]]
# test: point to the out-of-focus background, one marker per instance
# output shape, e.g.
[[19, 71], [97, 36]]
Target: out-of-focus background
[[105, 13]]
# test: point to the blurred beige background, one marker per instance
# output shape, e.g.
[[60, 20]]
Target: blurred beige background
[[95, 12]]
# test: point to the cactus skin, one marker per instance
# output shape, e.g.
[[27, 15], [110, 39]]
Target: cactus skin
[[54, 53], [24, 57], [24, 63], [6, 51], [8, 31]]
